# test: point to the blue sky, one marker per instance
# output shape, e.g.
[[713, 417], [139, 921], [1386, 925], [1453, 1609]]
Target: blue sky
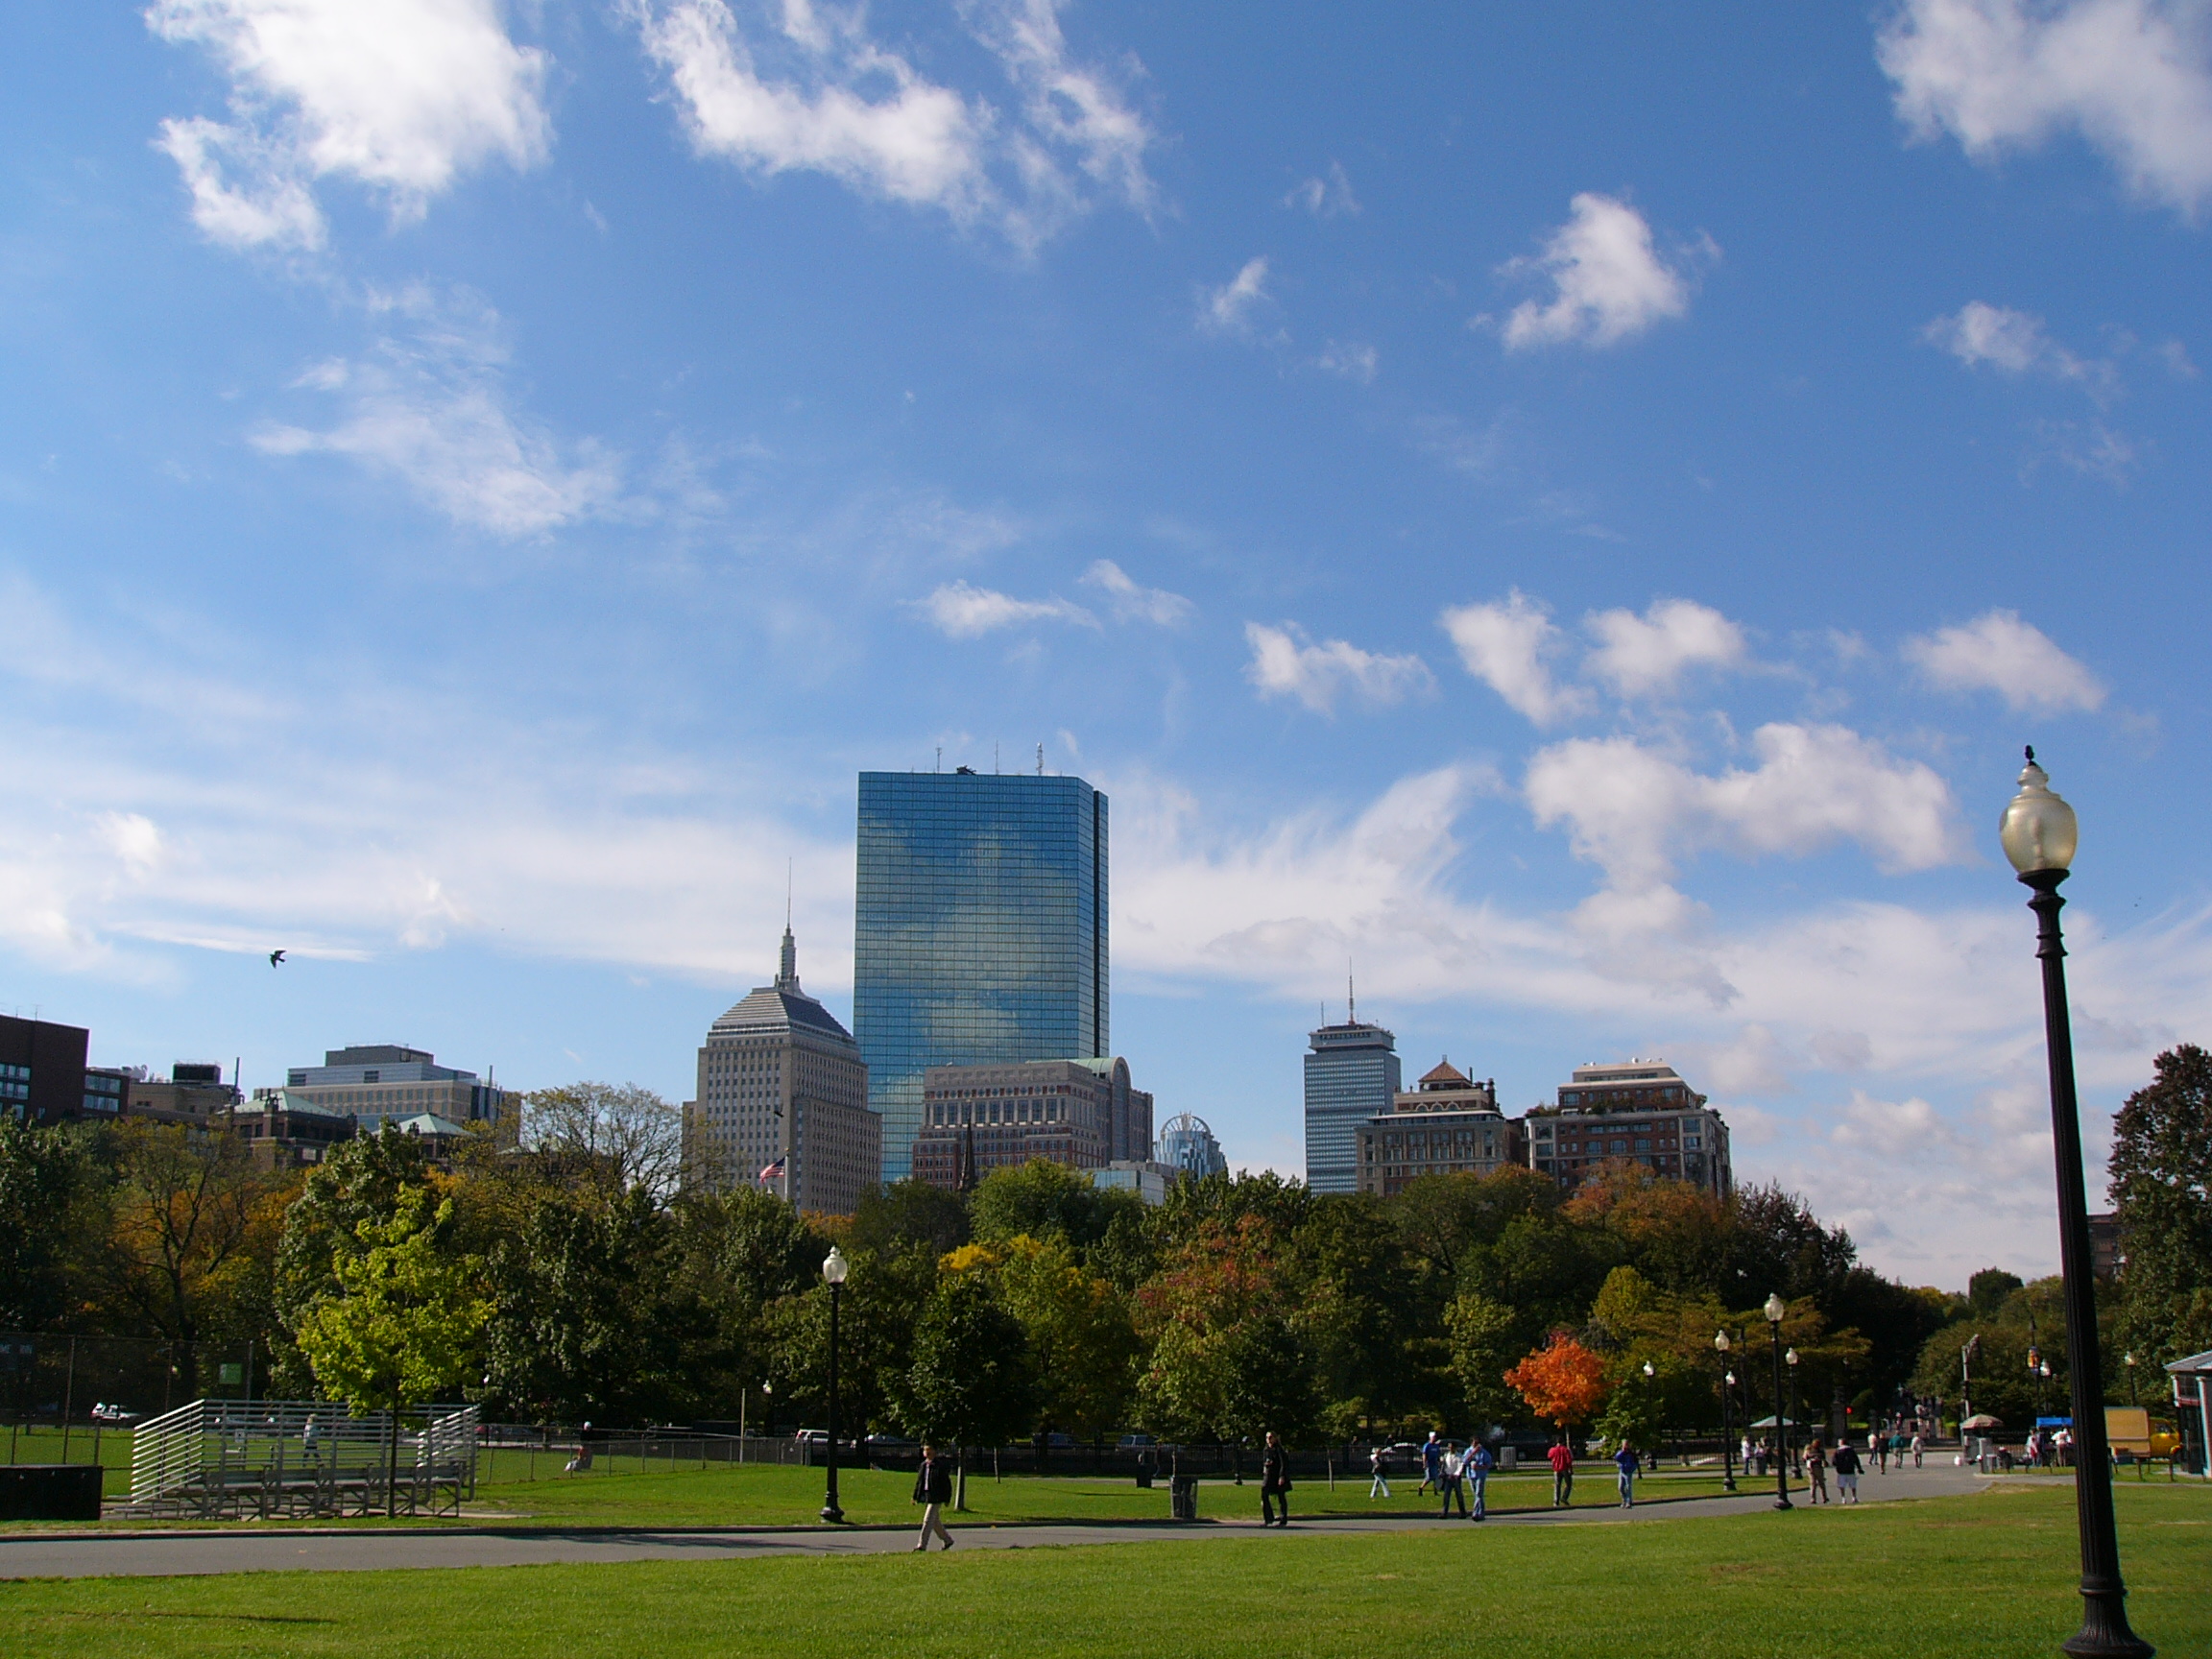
[[1569, 514]]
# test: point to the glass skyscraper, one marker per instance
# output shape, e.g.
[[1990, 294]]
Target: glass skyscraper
[[980, 931], [1351, 1075]]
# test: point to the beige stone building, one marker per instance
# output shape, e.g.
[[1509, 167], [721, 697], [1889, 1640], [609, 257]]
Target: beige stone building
[[783, 1101]]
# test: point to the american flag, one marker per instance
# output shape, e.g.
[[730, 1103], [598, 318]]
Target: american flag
[[773, 1171]]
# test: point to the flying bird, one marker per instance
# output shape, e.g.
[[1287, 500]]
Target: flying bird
[[275, 957]]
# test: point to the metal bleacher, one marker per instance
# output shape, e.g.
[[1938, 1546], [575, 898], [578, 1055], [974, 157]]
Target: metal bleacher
[[266, 1458]]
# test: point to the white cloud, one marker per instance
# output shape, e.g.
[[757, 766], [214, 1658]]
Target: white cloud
[[2015, 342], [1228, 308], [1325, 195], [1283, 665], [962, 612], [1998, 652], [1608, 282], [845, 106], [401, 97], [1646, 656], [429, 406], [1506, 646], [1634, 811], [1132, 603], [1351, 359], [2129, 76]]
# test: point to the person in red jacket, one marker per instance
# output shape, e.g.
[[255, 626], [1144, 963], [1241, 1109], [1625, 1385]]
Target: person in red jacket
[[1562, 1460]]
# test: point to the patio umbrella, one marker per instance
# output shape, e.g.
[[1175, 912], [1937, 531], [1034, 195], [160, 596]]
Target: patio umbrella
[[1983, 1420], [1768, 1423]]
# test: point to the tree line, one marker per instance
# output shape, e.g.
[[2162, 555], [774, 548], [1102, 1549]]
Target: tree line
[[578, 1278]]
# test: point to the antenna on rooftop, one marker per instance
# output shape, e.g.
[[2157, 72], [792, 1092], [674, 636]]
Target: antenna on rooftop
[[1350, 996], [994, 757], [1040, 759], [940, 766]]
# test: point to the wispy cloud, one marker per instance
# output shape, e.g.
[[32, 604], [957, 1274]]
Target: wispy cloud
[[430, 405], [1350, 358], [1133, 603], [2015, 342], [1998, 652], [1325, 194], [1284, 664], [2131, 77], [837, 102], [1228, 309], [1608, 282], [401, 98], [960, 610]]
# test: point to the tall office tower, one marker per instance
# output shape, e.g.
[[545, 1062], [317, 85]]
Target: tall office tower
[[1187, 1145], [980, 937], [1351, 1075], [783, 1100]]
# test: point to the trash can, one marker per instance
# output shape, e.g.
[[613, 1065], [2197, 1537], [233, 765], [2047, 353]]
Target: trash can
[[1508, 1457], [1183, 1497]]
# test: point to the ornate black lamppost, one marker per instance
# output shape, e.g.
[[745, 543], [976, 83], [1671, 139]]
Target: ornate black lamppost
[[833, 1269], [1790, 1355], [1774, 1309], [2038, 832], [1721, 1345]]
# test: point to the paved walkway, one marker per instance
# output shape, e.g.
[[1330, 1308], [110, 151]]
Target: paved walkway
[[95, 1555]]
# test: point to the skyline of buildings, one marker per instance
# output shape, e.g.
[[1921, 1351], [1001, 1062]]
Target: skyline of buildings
[[981, 973], [980, 931]]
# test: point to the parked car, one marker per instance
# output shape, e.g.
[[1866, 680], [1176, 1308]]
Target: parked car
[[1133, 1442], [103, 1412], [811, 1437], [1057, 1439]]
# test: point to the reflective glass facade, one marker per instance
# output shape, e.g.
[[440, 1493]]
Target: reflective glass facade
[[979, 932]]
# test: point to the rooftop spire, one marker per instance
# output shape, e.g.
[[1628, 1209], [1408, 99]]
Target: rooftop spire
[[788, 977]]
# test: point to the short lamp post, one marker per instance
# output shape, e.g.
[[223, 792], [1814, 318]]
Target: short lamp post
[[833, 1271], [1790, 1357], [1774, 1309], [2039, 833], [2129, 1359], [1721, 1345]]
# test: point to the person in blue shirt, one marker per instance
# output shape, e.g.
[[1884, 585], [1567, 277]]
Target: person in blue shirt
[[1479, 1466], [1627, 1460], [1432, 1464]]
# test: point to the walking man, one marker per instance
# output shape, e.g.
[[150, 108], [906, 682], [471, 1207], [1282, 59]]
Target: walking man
[[1847, 1472], [933, 1490], [1274, 1483], [1561, 1458], [1379, 1486], [1817, 1469], [1628, 1460], [1919, 1446], [1450, 1466], [1479, 1463], [1432, 1462]]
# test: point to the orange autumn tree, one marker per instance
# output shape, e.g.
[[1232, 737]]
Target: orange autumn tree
[[1563, 1381]]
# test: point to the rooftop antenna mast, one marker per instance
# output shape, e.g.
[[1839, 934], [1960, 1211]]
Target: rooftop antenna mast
[[1350, 996], [940, 766], [1040, 759], [994, 757]]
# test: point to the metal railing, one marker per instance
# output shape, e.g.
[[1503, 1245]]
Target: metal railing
[[301, 1457]]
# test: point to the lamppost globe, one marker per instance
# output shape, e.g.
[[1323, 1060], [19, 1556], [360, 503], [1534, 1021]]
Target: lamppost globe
[[834, 1266], [1721, 1342], [1731, 1379], [1791, 1356], [1648, 1372], [1774, 1309], [2037, 831]]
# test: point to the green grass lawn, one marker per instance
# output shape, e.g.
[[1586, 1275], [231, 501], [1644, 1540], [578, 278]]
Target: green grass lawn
[[1991, 1574]]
